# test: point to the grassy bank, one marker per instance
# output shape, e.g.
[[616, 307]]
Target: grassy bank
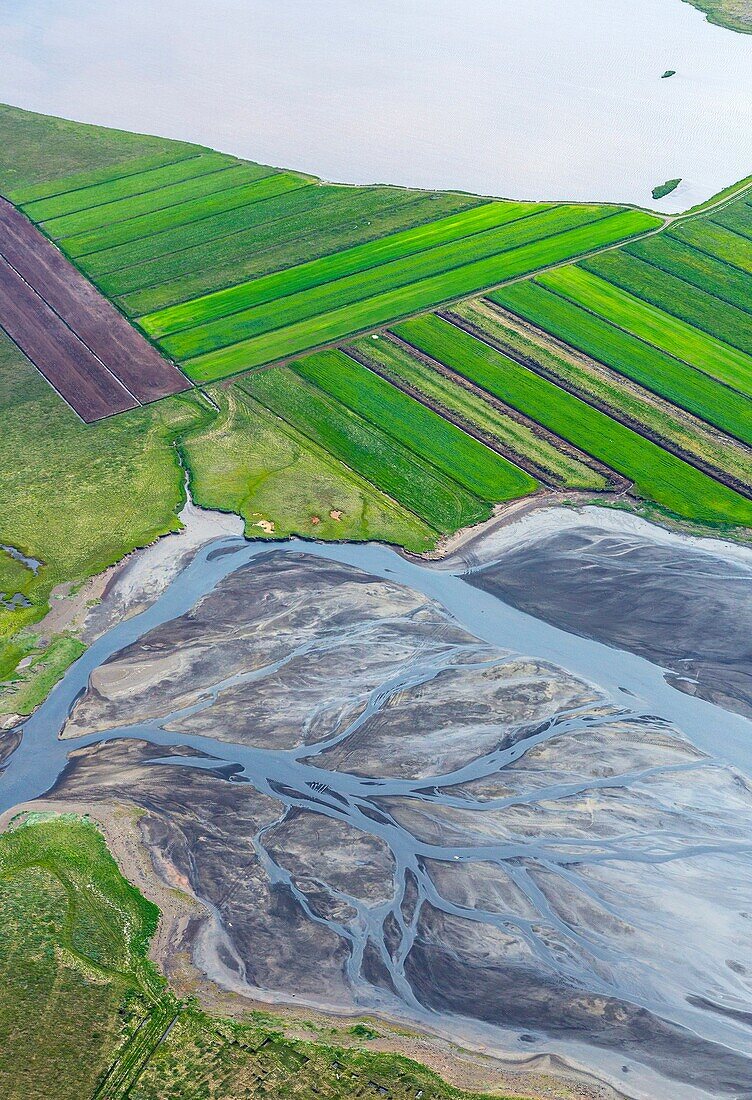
[[85, 1015], [734, 14]]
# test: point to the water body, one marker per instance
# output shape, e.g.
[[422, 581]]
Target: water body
[[396, 792], [525, 99]]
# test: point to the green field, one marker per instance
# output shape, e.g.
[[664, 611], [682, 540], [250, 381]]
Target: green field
[[438, 500], [657, 475], [656, 327], [85, 1015], [671, 293], [458, 455], [669, 255], [690, 389], [706, 236], [600, 385], [347, 262], [554, 466]]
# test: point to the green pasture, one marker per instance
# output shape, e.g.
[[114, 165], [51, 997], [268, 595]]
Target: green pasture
[[716, 241], [395, 469], [401, 366], [737, 217], [118, 187], [413, 298], [291, 307], [669, 292], [654, 326], [656, 474], [232, 176], [722, 280], [336, 265], [597, 383], [690, 389], [445, 446]]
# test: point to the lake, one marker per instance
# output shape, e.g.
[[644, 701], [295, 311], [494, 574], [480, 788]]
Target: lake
[[526, 99]]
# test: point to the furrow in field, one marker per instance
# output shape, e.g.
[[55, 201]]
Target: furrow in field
[[546, 457]]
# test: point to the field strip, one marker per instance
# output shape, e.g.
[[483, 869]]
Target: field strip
[[375, 253], [611, 409], [414, 298], [437, 499], [670, 294], [716, 241], [518, 457], [268, 244], [22, 196], [626, 354], [657, 475], [673, 257], [149, 202], [185, 213], [490, 246], [656, 328], [100, 194], [422, 430], [735, 220]]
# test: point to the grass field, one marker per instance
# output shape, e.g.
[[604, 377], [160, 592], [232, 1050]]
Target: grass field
[[602, 386], [85, 1015], [656, 327], [521, 440], [656, 475], [656, 370], [669, 255], [440, 501], [461, 457]]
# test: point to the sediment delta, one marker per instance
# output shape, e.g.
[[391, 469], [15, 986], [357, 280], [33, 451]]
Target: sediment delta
[[382, 811]]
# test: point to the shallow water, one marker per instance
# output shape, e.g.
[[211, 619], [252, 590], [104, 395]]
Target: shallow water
[[555, 99], [616, 846]]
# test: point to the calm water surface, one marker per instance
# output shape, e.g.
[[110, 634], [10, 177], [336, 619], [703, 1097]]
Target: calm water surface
[[519, 98]]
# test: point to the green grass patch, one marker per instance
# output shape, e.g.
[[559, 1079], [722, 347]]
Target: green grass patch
[[662, 419], [737, 217], [35, 683], [252, 463], [334, 266], [401, 366], [662, 330], [304, 304], [233, 175], [624, 353], [699, 269], [36, 151], [656, 474], [670, 293], [484, 472], [257, 188], [423, 294], [715, 240], [396, 470], [83, 197]]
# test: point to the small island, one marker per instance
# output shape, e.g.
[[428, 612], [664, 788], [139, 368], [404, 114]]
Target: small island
[[666, 188], [668, 73]]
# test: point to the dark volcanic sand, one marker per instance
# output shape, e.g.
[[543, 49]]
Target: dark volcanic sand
[[403, 818], [689, 611]]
